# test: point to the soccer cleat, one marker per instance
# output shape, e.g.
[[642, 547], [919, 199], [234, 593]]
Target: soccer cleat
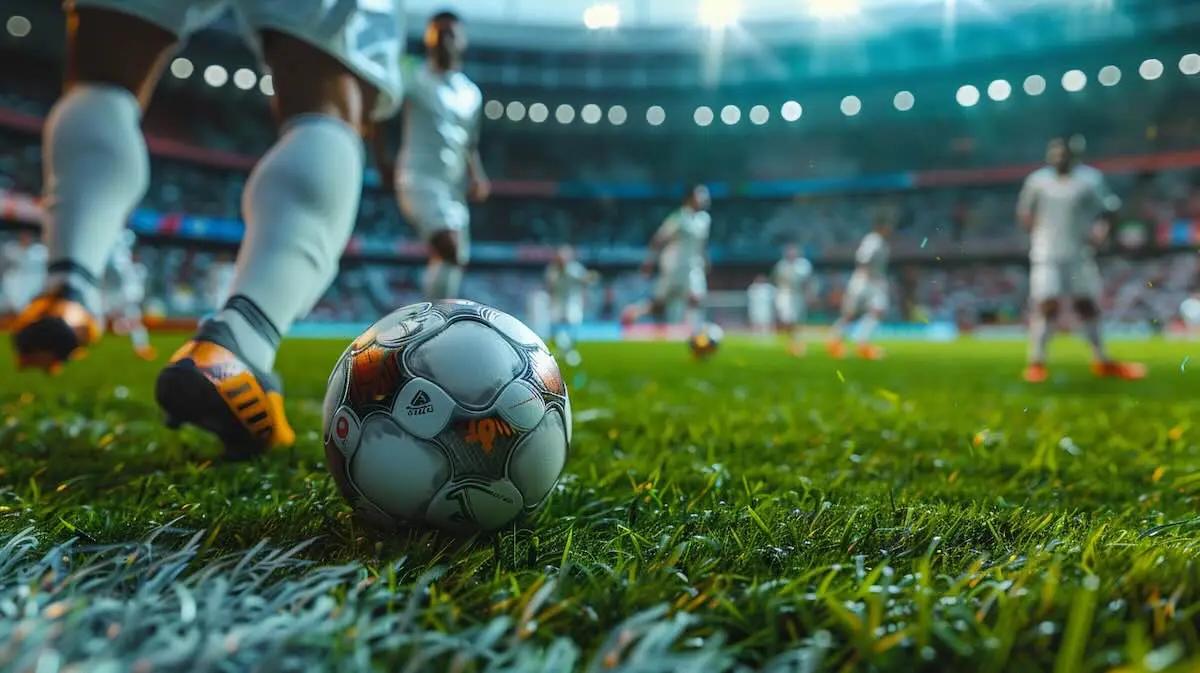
[[1129, 371], [837, 349], [147, 353], [870, 352], [1035, 373], [54, 329], [207, 384]]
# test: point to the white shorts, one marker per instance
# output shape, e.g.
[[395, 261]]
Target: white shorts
[[686, 283], [1074, 279], [433, 208], [864, 293], [569, 312], [791, 308], [367, 36]]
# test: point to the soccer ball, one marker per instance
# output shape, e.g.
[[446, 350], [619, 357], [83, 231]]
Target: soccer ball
[[705, 341], [451, 414]]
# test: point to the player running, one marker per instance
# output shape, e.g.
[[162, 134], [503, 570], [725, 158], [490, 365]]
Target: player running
[[795, 286], [123, 289], [866, 293], [566, 282], [680, 249], [1067, 208], [439, 164], [335, 66]]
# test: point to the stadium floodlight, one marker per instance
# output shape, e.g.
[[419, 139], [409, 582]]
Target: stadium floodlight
[[564, 114], [1151, 69], [1190, 64], [215, 76], [904, 100], [591, 113], [655, 115], [720, 13], [999, 90], [617, 115], [851, 106], [515, 111], [493, 110], [967, 95], [1109, 75], [759, 114], [602, 15], [833, 9], [538, 113], [731, 114], [18, 26], [791, 111], [1074, 80], [1035, 85], [703, 116], [182, 68], [245, 79], [266, 84]]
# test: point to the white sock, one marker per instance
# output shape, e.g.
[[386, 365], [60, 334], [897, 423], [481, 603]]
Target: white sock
[[693, 317], [1040, 332], [1091, 332], [442, 280], [866, 328], [300, 203], [96, 171]]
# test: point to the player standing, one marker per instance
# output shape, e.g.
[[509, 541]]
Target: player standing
[[794, 289], [1067, 208], [23, 269], [866, 293], [335, 66], [760, 305], [123, 289], [566, 281], [439, 164], [680, 249]]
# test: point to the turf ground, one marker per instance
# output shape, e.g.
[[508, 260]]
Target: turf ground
[[926, 512]]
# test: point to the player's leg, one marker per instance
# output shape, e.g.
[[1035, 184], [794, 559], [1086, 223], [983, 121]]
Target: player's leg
[[1042, 319], [1102, 365], [798, 317], [135, 327], [697, 290], [443, 275], [96, 171], [867, 327], [300, 204], [851, 307]]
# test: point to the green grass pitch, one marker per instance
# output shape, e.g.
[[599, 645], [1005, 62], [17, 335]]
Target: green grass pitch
[[927, 512]]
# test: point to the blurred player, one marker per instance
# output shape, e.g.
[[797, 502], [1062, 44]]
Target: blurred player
[[1067, 208], [680, 249], [866, 293], [218, 280], [566, 281], [439, 165], [760, 305], [23, 271], [123, 289], [794, 285], [334, 67]]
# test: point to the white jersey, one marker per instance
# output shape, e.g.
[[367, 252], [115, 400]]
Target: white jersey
[[566, 283], [872, 255], [1064, 209], [685, 237], [441, 128], [760, 298], [793, 275]]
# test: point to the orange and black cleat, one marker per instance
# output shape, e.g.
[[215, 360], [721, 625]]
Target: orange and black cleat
[[870, 352], [837, 349], [207, 384], [1129, 371], [54, 329]]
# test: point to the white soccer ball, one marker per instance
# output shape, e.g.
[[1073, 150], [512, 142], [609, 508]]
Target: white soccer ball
[[451, 414]]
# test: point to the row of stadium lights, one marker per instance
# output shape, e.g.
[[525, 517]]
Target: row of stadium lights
[[967, 95], [217, 76]]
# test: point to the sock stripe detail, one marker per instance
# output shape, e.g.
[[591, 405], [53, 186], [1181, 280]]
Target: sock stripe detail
[[73, 268], [245, 307]]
